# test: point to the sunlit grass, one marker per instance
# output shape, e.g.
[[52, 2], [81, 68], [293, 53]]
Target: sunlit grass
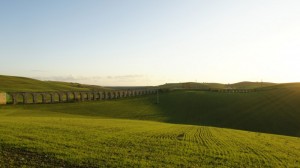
[[120, 143], [137, 132]]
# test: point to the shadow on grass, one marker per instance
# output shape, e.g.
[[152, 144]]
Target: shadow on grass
[[268, 112], [276, 112]]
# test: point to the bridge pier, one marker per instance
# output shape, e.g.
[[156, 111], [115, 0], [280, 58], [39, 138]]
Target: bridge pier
[[3, 98]]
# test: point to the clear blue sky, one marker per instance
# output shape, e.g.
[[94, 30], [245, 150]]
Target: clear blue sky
[[151, 42]]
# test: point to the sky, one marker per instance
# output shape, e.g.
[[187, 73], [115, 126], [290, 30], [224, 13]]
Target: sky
[[151, 42]]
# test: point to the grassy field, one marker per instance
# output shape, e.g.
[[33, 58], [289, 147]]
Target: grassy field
[[206, 86], [186, 129], [73, 141], [88, 134], [274, 111], [22, 84]]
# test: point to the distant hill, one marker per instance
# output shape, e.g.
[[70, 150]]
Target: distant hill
[[251, 85], [185, 134], [21, 84], [192, 85], [206, 86], [273, 110]]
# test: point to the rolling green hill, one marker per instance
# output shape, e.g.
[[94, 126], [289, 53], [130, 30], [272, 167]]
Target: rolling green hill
[[193, 85], [188, 128], [274, 111], [251, 85], [62, 140], [206, 86], [22, 84]]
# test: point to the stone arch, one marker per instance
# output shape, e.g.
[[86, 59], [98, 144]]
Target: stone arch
[[121, 94], [76, 96], [129, 93], [124, 93], [107, 94], [13, 98], [38, 97], [52, 99], [56, 97], [70, 96], [9, 98], [100, 95], [62, 96], [104, 96], [110, 95], [17, 98], [83, 96], [89, 96], [97, 96], [116, 95], [46, 97], [93, 96], [28, 97]]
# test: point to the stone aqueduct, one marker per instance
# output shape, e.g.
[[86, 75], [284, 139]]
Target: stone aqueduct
[[73, 96], [76, 96]]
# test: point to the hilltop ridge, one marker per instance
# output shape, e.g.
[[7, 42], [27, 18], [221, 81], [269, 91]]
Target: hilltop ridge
[[24, 84]]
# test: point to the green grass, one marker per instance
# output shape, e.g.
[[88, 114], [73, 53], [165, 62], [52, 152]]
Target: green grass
[[251, 85], [89, 142], [186, 129], [21, 84], [275, 111], [239, 85]]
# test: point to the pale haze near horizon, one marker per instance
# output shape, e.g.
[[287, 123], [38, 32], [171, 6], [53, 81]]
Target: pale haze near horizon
[[151, 42]]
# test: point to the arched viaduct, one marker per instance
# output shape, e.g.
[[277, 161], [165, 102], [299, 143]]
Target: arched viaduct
[[73, 96], [234, 90]]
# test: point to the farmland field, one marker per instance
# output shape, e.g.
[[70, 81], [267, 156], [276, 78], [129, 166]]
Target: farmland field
[[86, 142], [186, 129], [274, 111]]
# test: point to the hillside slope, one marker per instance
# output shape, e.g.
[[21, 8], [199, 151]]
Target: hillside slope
[[22, 84], [251, 85], [274, 111], [88, 142], [206, 86]]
